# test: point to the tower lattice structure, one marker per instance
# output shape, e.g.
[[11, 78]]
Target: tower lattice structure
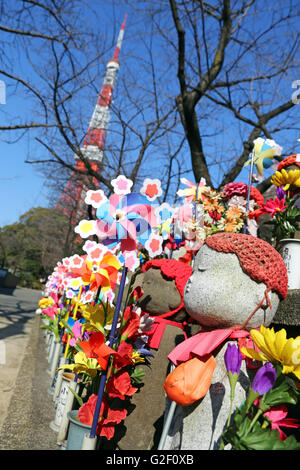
[[71, 202]]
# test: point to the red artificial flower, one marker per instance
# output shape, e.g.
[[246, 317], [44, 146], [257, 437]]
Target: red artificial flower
[[51, 312], [65, 338], [249, 343], [119, 385], [136, 294], [274, 205], [256, 213], [123, 357], [108, 417], [215, 215], [132, 324], [96, 348]]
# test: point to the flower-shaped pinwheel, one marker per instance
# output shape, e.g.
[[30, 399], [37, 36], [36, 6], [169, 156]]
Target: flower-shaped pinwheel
[[98, 268], [263, 153], [193, 191], [126, 219]]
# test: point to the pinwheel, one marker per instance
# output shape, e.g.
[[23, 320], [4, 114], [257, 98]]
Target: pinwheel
[[264, 151], [125, 219], [262, 155], [99, 268], [193, 191]]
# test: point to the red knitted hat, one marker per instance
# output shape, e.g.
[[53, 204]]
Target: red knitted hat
[[172, 269], [257, 258], [290, 160]]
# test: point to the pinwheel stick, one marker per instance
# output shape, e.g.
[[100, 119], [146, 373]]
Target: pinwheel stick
[[249, 190], [111, 343], [74, 317]]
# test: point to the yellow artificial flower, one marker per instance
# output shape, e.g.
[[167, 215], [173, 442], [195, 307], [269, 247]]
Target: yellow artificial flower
[[95, 316], [275, 347], [137, 358], [46, 302], [286, 178], [83, 365]]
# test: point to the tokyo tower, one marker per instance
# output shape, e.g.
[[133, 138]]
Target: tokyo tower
[[71, 202]]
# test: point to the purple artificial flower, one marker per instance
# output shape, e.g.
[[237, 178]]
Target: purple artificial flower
[[280, 192], [264, 379], [233, 359]]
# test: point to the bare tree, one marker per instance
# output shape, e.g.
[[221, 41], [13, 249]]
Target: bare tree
[[234, 63], [66, 63], [197, 79]]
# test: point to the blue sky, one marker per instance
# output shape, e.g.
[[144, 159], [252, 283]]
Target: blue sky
[[21, 186]]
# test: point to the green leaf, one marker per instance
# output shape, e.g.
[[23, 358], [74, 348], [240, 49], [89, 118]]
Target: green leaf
[[266, 439], [138, 375], [78, 398]]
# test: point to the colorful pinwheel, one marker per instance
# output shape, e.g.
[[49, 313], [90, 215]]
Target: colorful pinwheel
[[99, 267], [193, 191], [263, 153], [125, 219]]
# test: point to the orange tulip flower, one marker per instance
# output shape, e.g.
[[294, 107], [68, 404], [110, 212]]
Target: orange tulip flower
[[190, 381]]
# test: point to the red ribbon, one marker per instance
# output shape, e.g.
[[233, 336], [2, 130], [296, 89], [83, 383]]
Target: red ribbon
[[158, 329]]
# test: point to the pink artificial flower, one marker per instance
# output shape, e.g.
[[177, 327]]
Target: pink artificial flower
[[277, 416], [274, 205], [51, 312]]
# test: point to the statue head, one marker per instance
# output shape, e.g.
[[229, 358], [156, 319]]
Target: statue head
[[163, 286], [233, 273]]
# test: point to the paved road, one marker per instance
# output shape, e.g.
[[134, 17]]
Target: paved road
[[17, 307], [26, 407]]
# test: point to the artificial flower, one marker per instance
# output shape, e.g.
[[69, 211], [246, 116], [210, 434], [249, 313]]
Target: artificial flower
[[233, 225], [264, 379], [51, 312], [233, 213], [97, 316], [272, 206], [96, 348], [233, 359], [131, 323], [280, 192], [83, 365], [108, 417], [46, 302], [286, 179], [213, 204], [275, 347], [119, 385], [77, 331], [277, 417]]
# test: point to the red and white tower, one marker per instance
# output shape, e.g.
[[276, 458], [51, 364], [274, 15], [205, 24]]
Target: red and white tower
[[93, 147]]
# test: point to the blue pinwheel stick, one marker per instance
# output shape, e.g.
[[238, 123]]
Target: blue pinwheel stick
[[249, 191], [111, 343]]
